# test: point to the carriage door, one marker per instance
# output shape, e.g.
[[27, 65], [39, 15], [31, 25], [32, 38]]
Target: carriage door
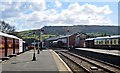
[[13, 46], [6, 46]]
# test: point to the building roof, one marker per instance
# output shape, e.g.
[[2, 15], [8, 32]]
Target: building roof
[[59, 37], [51, 38], [65, 36]]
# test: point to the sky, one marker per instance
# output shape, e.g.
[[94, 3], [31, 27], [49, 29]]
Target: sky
[[35, 14]]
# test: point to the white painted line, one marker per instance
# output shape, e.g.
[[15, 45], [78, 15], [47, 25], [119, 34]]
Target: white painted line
[[62, 62]]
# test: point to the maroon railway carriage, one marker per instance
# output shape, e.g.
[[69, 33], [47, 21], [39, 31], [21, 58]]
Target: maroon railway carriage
[[2, 52], [9, 45], [16, 46]]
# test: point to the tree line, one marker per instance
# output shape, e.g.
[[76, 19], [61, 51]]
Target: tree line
[[6, 27]]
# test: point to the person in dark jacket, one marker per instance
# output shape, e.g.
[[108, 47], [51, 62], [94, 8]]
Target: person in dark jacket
[[41, 46]]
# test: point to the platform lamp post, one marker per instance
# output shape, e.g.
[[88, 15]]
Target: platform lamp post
[[68, 39], [38, 52], [41, 39], [0, 26], [34, 57]]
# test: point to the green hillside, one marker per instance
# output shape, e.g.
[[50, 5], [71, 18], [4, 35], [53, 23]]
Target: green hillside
[[50, 31]]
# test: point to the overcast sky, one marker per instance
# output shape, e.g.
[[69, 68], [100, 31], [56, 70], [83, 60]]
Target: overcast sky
[[34, 14]]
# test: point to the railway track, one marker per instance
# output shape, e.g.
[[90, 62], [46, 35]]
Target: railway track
[[82, 64]]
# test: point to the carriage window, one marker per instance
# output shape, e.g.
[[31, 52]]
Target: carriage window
[[107, 41], [103, 41], [96, 42], [110, 41], [100, 42], [115, 41]]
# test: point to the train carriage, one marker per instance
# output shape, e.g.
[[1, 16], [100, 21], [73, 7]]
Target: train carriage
[[108, 42], [16, 46], [21, 46], [9, 45], [2, 52], [89, 42]]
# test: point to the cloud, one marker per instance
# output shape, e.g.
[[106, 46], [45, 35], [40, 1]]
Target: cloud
[[82, 14], [13, 9], [99, 10], [58, 4], [38, 5], [34, 14]]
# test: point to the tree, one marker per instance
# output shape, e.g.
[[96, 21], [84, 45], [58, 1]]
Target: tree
[[6, 27]]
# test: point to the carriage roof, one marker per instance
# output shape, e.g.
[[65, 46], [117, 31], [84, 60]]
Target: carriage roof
[[105, 37], [7, 35], [108, 37]]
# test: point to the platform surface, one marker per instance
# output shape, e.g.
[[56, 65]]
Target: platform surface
[[111, 52], [46, 61]]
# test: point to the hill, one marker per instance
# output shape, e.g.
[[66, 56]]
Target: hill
[[50, 31], [62, 30]]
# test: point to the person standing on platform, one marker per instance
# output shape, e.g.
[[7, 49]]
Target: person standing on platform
[[41, 46]]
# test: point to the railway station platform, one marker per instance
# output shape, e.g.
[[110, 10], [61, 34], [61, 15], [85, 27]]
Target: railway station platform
[[46, 62], [110, 52], [108, 56]]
